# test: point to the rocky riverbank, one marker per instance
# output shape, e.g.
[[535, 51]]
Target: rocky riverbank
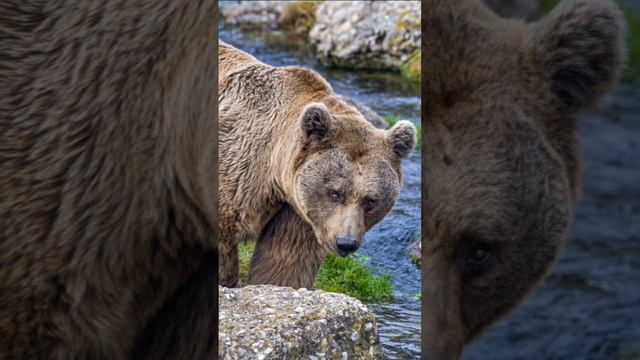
[[367, 35], [269, 322], [346, 34]]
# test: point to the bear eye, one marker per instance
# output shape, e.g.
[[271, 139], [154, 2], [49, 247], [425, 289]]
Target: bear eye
[[478, 257], [369, 204], [335, 196]]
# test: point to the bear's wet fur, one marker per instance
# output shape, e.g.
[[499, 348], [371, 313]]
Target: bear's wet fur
[[297, 161], [107, 195]]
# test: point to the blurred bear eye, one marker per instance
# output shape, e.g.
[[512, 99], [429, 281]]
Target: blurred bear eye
[[478, 257], [369, 204], [475, 256], [335, 196]]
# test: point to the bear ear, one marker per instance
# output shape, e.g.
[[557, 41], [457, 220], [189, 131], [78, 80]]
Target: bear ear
[[579, 48], [402, 138], [316, 122]]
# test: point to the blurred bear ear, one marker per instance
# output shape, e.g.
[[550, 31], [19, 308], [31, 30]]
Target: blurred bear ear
[[402, 138], [579, 48], [316, 122]]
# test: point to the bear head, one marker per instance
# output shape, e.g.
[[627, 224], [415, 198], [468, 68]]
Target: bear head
[[501, 171], [347, 174]]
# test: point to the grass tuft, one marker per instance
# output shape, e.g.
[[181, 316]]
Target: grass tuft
[[546, 6], [632, 74], [245, 251], [631, 354], [348, 275]]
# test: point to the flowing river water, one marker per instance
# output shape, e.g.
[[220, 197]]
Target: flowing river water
[[387, 243]]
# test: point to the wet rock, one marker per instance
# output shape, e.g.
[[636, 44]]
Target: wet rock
[[517, 9], [270, 322], [415, 251], [368, 113], [365, 34]]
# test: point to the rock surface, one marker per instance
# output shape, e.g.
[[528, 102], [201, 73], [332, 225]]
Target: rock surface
[[252, 12], [367, 35], [415, 251], [269, 322]]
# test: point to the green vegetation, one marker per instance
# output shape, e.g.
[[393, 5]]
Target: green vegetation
[[412, 69], [348, 275], [299, 16], [632, 74], [546, 6], [245, 251], [631, 354], [633, 46], [393, 119]]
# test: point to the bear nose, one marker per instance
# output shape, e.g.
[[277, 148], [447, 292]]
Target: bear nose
[[346, 245]]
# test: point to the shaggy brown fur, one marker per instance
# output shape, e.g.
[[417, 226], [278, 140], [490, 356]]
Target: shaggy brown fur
[[286, 139], [287, 253], [107, 155], [501, 153]]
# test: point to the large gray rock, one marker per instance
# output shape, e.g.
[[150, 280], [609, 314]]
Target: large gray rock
[[270, 322], [252, 12], [365, 34]]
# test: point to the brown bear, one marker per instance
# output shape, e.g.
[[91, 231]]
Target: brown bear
[[502, 161], [290, 149], [107, 193]]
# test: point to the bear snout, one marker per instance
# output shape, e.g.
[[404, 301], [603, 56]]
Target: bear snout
[[346, 245]]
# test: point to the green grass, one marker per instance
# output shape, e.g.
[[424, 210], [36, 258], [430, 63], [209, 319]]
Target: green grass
[[632, 73], [546, 6], [245, 251], [392, 119], [348, 275], [631, 354]]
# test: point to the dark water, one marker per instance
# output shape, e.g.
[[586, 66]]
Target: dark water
[[386, 244], [589, 308]]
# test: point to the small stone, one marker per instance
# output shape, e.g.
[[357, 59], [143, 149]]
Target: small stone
[[355, 336]]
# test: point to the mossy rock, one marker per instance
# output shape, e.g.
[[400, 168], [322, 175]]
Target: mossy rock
[[412, 69], [299, 16]]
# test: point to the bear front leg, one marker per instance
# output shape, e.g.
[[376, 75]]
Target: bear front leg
[[228, 269], [287, 252], [185, 327]]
